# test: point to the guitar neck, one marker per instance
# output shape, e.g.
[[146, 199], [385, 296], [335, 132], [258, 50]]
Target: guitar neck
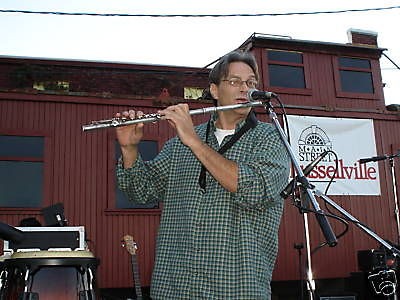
[[136, 278]]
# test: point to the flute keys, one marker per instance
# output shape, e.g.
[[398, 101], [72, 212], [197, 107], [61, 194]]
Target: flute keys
[[116, 121], [155, 116]]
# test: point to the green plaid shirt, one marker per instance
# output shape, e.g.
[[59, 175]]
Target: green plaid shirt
[[217, 244]]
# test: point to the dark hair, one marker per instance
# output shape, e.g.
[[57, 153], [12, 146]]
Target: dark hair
[[221, 69]]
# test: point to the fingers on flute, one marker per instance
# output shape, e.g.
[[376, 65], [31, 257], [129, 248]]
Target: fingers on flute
[[139, 114], [130, 114]]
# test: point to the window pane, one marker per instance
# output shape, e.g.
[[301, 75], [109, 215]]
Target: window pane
[[356, 82], [148, 150], [22, 146], [286, 76], [285, 56], [354, 63], [21, 184]]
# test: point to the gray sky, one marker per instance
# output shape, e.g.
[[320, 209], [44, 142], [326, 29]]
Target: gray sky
[[187, 41]]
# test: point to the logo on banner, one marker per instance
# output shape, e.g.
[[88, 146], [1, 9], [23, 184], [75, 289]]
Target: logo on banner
[[313, 141]]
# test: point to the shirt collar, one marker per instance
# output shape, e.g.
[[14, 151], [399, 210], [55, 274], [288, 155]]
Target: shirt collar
[[251, 118]]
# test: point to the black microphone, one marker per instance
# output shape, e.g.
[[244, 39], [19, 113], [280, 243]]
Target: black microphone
[[374, 158], [290, 187], [254, 95]]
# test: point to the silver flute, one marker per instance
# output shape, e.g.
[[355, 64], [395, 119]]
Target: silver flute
[[152, 118]]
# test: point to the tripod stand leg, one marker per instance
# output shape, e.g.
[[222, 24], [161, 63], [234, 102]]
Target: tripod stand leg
[[310, 279]]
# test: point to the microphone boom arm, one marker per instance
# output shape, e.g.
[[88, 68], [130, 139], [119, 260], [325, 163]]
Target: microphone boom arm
[[371, 233]]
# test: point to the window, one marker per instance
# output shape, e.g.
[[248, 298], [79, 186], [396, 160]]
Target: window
[[286, 69], [355, 75], [21, 171], [148, 150]]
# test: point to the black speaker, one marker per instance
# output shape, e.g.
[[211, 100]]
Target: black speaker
[[54, 215]]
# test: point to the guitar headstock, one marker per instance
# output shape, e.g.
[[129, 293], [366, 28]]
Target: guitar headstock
[[129, 244]]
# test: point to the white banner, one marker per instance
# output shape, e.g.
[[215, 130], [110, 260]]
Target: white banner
[[350, 139]]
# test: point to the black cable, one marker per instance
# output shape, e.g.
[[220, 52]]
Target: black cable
[[197, 15], [334, 174], [342, 220], [392, 61]]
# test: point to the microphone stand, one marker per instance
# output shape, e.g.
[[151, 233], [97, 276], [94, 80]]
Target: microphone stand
[[370, 232], [394, 186], [306, 187]]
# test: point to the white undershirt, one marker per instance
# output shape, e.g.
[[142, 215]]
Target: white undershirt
[[221, 133]]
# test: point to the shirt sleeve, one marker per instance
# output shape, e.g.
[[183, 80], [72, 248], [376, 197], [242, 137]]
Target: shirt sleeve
[[145, 181], [264, 173]]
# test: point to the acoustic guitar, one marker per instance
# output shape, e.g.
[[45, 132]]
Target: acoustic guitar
[[129, 244]]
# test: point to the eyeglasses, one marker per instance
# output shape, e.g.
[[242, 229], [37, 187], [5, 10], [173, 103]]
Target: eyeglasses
[[237, 82]]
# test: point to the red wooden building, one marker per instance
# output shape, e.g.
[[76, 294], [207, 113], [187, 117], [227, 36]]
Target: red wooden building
[[48, 159]]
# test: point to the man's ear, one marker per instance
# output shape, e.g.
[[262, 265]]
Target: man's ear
[[214, 91]]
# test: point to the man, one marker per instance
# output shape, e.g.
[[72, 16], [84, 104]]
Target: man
[[219, 183]]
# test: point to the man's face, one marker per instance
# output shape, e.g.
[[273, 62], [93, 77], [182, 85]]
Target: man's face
[[233, 89]]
